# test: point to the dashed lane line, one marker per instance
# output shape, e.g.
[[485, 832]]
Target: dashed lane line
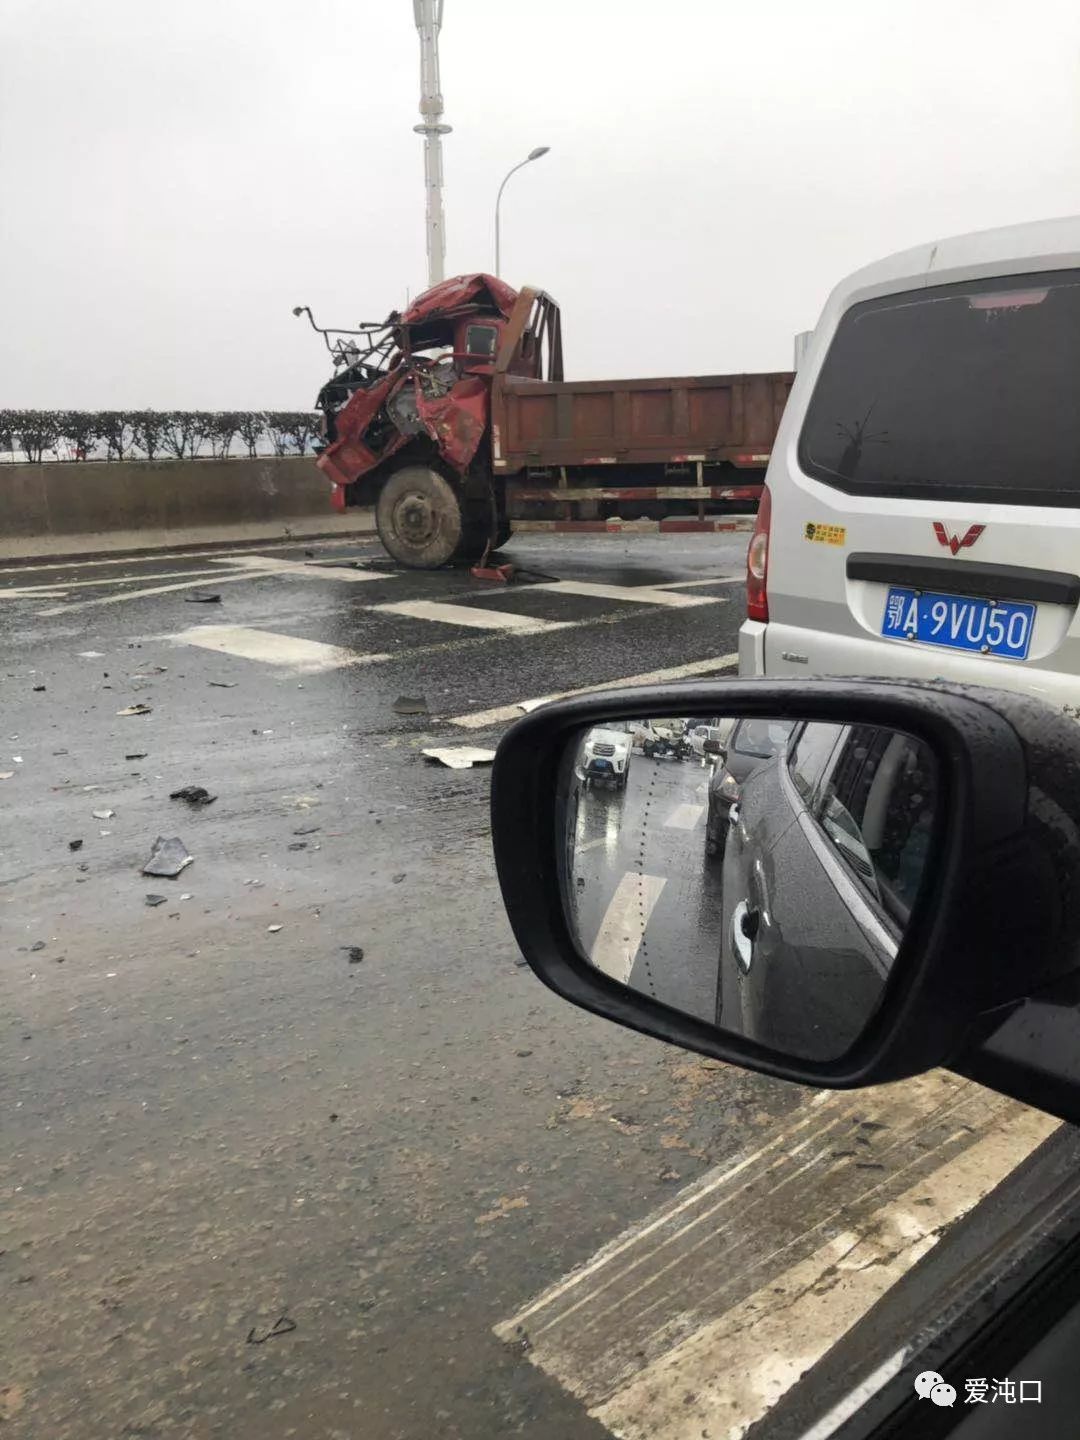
[[635, 594], [480, 719]]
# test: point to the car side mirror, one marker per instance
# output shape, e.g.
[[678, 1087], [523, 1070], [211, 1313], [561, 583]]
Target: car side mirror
[[884, 881], [713, 747]]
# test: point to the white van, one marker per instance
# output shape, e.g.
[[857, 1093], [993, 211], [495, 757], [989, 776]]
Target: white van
[[921, 514]]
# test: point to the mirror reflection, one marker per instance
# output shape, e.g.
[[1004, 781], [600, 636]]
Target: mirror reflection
[[756, 873]]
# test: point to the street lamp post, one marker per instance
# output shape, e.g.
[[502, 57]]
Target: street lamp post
[[532, 155]]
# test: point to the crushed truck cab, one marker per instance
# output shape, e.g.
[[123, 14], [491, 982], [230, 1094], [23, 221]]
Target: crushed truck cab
[[453, 419]]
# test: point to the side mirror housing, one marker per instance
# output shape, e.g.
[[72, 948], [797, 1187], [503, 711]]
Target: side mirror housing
[[963, 802]]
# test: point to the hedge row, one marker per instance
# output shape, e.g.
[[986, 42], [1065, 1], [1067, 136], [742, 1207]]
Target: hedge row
[[30, 435]]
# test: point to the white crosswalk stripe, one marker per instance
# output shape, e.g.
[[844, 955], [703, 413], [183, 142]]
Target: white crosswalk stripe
[[635, 594], [306, 657], [469, 616]]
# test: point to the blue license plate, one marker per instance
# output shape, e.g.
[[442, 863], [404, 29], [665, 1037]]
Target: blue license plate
[[597, 763], [961, 622]]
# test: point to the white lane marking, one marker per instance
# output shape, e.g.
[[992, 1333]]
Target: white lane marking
[[61, 587], [479, 719], [360, 539], [642, 594], [625, 920], [139, 594], [684, 817], [708, 580], [592, 845], [42, 592], [301, 570], [466, 615], [307, 657], [738, 1366]]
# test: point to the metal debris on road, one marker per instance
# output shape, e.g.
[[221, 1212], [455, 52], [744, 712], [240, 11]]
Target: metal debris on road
[[273, 929], [193, 794], [136, 755], [298, 845], [307, 830], [38, 945], [224, 684], [139, 709], [38, 688], [399, 878], [103, 814], [155, 900], [91, 654], [459, 757], [203, 597], [411, 705], [167, 858], [6, 774], [283, 1325], [75, 844], [354, 952]]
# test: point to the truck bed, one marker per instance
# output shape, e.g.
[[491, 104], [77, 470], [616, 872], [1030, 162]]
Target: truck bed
[[669, 421]]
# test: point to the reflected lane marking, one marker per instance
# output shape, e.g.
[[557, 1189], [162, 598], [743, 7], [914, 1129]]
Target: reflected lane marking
[[466, 615], [625, 920], [684, 817], [477, 719], [308, 657]]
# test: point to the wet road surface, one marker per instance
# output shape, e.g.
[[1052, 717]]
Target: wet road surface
[[254, 1184]]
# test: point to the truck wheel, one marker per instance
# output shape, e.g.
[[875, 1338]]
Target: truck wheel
[[423, 522]]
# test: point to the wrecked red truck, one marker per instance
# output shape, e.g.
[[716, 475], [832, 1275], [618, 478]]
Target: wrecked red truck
[[453, 419]]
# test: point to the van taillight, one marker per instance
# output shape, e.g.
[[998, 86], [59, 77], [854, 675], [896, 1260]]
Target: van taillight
[[757, 561]]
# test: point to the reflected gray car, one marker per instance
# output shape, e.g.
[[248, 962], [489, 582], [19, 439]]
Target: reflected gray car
[[825, 852], [751, 743]]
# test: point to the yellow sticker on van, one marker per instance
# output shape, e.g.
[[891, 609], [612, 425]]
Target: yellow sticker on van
[[825, 534]]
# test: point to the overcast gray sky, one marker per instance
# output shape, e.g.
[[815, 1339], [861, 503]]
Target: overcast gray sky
[[175, 177]]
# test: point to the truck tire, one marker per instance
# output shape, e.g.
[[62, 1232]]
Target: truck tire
[[423, 522]]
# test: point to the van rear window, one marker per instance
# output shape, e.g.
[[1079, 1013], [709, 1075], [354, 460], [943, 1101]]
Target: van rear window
[[961, 391]]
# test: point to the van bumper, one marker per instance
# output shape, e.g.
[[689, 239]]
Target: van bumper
[[752, 648], [856, 655]]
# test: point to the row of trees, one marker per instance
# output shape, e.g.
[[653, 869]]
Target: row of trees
[[154, 434]]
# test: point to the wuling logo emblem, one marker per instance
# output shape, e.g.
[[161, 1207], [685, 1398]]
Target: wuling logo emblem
[[956, 543]]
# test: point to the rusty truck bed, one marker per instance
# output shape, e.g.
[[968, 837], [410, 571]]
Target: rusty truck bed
[[711, 419]]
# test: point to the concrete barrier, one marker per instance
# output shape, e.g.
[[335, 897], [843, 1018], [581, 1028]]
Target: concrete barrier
[[91, 507]]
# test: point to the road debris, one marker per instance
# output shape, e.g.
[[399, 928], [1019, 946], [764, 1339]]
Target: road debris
[[38, 945], [224, 684], [203, 597], [103, 814], [193, 794], [283, 1325], [167, 858], [6, 774], [137, 755], [354, 952], [397, 879], [298, 845], [75, 844], [411, 705], [91, 654], [139, 709], [155, 900], [273, 929], [38, 689], [459, 757], [307, 830]]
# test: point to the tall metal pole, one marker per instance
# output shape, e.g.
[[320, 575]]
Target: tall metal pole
[[428, 15]]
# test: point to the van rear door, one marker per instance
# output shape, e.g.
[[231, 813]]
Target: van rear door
[[926, 516]]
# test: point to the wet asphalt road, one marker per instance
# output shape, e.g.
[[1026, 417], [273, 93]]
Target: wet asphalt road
[[210, 1124]]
